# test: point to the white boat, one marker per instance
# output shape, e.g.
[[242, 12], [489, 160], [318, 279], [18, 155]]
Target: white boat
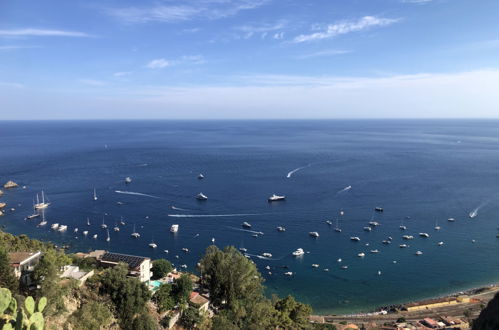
[[473, 214], [375, 251], [451, 219], [200, 176], [344, 267], [128, 180], [407, 237], [281, 229], [315, 265], [403, 246], [425, 235], [95, 195], [88, 221], [378, 209], [153, 245], [329, 222], [213, 240], [437, 227], [275, 198], [54, 226], [116, 228], [298, 252], [95, 236], [361, 255], [386, 242], [108, 238], [134, 233], [75, 230], [314, 234], [339, 260], [42, 223], [183, 266], [402, 227], [201, 197], [288, 273], [243, 249], [185, 250], [354, 238], [85, 232], [440, 243], [174, 228], [373, 223], [379, 272], [103, 226], [246, 225], [43, 204], [342, 212], [62, 228], [368, 228], [337, 227], [418, 253], [267, 255]]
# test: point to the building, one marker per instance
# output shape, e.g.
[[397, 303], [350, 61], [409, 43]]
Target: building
[[138, 267], [74, 272], [24, 263], [199, 301], [435, 303]]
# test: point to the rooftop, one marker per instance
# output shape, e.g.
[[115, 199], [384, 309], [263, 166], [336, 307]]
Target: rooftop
[[132, 261], [21, 257]]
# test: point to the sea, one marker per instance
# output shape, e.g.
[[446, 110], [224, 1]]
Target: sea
[[421, 172]]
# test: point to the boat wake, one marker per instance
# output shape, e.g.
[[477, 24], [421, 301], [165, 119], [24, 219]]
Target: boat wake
[[344, 189], [474, 213], [296, 170], [210, 215], [261, 257], [179, 208], [246, 230], [135, 193]]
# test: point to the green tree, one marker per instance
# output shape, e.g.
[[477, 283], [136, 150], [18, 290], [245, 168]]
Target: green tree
[[89, 316], [190, 317], [160, 268], [182, 288], [163, 298], [7, 278], [229, 276], [292, 314], [143, 322]]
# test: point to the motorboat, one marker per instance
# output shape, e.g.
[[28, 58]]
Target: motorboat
[[473, 214], [378, 209], [386, 242], [201, 197], [32, 216], [403, 246], [314, 234], [315, 265], [267, 255], [128, 180], [288, 273], [329, 222], [42, 223], [281, 229], [62, 228], [243, 249], [85, 232], [344, 267], [75, 230], [275, 198], [116, 228], [418, 253], [375, 251], [153, 245], [95, 236], [54, 226], [373, 223], [368, 228], [407, 237], [326, 269], [174, 228], [425, 235], [246, 225], [402, 227], [361, 255], [451, 219], [355, 238], [185, 250], [440, 243], [298, 252], [339, 260], [200, 176], [184, 266]]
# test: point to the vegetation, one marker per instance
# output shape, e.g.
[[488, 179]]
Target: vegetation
[[163, 298], [7, 278], [160, 268], [28, 317], [90, 316], [181, 289], [190, 317]]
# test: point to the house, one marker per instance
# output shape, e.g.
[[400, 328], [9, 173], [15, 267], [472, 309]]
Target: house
[[74, 272], [24, 263], [199, 301], [138, 267]]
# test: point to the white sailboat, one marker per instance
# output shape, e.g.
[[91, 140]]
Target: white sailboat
[[41, 205], [135, 234], [152, 244], [43, 222], [95, 195], [88, 221], [337, 229], [103, 226], [437, 227], [108, 237]]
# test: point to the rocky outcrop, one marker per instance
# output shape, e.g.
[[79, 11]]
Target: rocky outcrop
[[489, 317], [10, 184]]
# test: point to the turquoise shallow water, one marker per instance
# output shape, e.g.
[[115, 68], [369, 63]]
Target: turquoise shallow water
[[427, 170]]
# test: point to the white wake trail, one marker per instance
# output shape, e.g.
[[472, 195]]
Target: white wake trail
[[210, 215], [296, 170], [135, 194], [179, 208], [246, 230], [344, 189]]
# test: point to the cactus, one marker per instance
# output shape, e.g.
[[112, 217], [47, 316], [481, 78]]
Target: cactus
[[29, 304], [36, 321], [7, 326], [5, 298], [28, 318], [13, 305], [41, 304]]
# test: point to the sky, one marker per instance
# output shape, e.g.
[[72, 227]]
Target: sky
[[249, 59]]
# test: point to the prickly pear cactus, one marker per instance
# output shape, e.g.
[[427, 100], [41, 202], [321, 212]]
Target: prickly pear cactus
[[7, 326], [29, 305], [5, 299], [36, 321], [41, 304]]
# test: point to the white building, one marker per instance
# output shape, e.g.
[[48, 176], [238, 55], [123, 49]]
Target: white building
[[139, 267]]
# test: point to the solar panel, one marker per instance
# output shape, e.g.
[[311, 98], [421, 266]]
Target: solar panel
[[132, 261]]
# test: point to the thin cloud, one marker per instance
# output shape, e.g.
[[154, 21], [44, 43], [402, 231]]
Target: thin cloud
[[42, 33], [92, 82], [345, 27], [122, 74], [14, 47], [417, 1], [11, 84], [159, 63], [324, 53]]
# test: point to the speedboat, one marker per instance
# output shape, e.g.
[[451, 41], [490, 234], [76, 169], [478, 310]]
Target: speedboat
[[243, 249], [128, 180], [267, 255], [354, 238], [378, 209], [329, 222], [473, 214], [368, 228], [62, 228], [314, 234], [281, 229], [315, 265], [418, 253], [201, 197], [54, 226], [200, 176], [361, 255], [403, 246], [174, 228], [451, 219], [41, 205], [298, 252], [425, 235], [440, 243], [373, 223], [375, 251], [275, 198], [246, 225]]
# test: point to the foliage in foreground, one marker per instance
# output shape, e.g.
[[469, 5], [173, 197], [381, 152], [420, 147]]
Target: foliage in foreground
[[27, 317]]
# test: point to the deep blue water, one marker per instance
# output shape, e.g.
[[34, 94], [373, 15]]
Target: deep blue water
[[428, 170]]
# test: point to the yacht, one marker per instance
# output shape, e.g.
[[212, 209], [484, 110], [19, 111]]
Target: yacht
[[62, 228], [375, 251], [281, 229], [95, 236], [275, 198], [103, 226], [361, 255], [32, 216], [425, 235], [451, 219], [201, 197], [153, 245], [200, 176], [315, 265], [354, 238], [95, 195], [418, 253], [378, 209], [134, 233], [85, 232], [298, 252], [267, 255], [43, 204], [174, 228], [243, 249], [407, 237], [402, 246], [368, 228], [128, 180], [108, 237], [246, 225], [373, 223], [314, 234], [54, 226], [440, 243]]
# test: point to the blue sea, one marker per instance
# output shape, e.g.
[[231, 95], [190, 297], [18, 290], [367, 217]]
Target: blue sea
[[421, 172]]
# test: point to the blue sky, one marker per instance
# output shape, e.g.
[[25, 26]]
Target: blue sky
[[213, 59]]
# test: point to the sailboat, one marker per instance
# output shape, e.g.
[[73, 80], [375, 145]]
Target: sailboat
[[337, 229], [88, 221], [437, 227], [122, 222], [116, 228], [41, 205], [108, 237], [103, 226], [95, 195], [34, 215], [152, 244], [135, 234], [43, 222]]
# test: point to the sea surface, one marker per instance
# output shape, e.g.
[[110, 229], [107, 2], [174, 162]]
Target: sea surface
[[421, 172]]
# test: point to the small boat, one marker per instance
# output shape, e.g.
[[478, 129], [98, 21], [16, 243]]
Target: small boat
[[75, 230], [128, 180], [122, 222], [288, 273], [103, 226], [451, 219], [32, 216], [183, 266], [95, 236], [354, 238], [166, 251], [62, 228], [407, 237], [153, 245], [344, 267], [298, 252], [42, 223], [267, 255], [342, 212], [403, 246], [243, 249], [379, 272], [43, 204], [315, 265], [326, 269], [425, 235], [329, 222], [254, 235], [442, 243], [108, 237], [174, 229], [339, 260], [418, 253], [437, 227], [378, 209], [275, 198], [54, 226], [88, 222], [361, 255], [246, 225], [185, 250], [116, 228], [281, 229], [201, 197], [473, 214], [375, 251], [314, 234], [200, 176], [373, 223], [337, 228], [120, 203], [134, 233], [402, 227], [390, 238], [368, 228], [85, 232], [213, 239], [95, 195], [386, 242]]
